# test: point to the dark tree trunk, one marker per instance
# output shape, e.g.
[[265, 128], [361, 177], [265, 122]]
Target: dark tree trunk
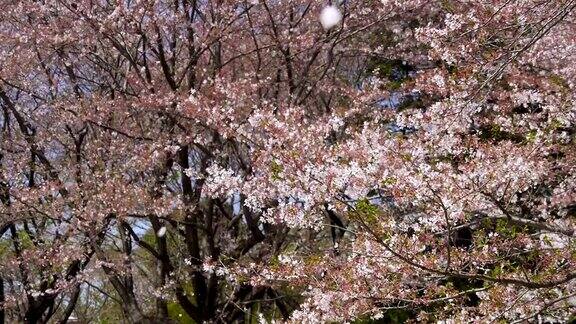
[[2, 299]]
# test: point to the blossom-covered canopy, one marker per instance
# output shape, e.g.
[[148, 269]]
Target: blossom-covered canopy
[[287, 160]]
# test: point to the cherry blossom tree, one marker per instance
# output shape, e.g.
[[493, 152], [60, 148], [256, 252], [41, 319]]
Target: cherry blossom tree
[[304, 161]]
